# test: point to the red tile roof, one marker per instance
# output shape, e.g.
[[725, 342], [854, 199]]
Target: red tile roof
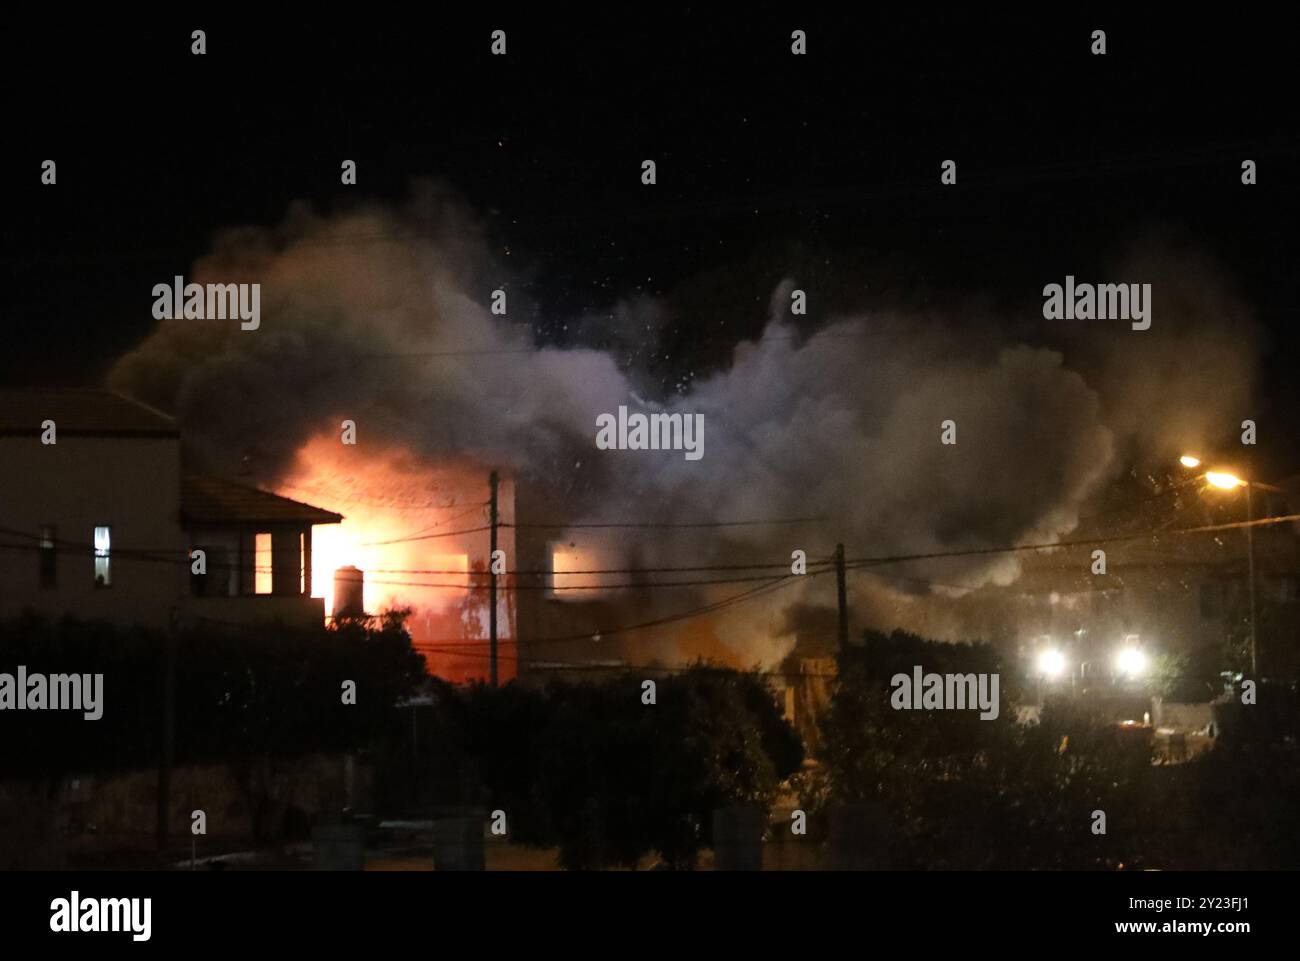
[[212, 500]]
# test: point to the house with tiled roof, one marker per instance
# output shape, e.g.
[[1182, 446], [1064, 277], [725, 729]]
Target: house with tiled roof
[[100, 520]]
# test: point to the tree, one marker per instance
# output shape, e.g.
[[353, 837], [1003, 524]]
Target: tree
[[591, 769], [1187, 677], [955, 791]]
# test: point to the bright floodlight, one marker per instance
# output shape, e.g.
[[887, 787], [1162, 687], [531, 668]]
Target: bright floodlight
[[1187, 460], [1131, 661], [1223, 480], [1051, 663]]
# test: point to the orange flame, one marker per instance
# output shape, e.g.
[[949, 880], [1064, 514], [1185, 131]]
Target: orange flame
[[415, 531]]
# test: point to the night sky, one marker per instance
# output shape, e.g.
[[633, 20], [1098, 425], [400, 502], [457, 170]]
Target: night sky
[[824, 167]]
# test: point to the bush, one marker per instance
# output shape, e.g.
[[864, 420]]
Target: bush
[[240, 693], [955, 791], [590, 769]]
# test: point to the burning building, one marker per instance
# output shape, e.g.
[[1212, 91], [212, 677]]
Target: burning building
[[419, 537]]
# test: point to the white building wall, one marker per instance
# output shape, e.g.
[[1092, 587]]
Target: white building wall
[[128, 483]]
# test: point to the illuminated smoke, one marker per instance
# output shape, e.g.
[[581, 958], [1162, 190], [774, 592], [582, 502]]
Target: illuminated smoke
[[381, 316]]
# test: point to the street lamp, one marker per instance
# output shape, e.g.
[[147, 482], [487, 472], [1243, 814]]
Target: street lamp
[[1131, 662], [1224, 481], [1228, 481], [1051, 663]]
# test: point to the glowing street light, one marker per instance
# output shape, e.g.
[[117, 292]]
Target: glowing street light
[[1131, 662], [1051, 663], [1227, 481], [1223, 480]]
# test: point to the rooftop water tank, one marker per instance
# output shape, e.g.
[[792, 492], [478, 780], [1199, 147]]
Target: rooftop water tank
[[349, 591]]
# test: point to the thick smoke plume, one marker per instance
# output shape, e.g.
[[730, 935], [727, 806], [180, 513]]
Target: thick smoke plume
[[381, 316]]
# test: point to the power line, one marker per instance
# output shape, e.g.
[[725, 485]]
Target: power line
[[863, 562], [602, 570], [425, 537], [430, 527], [742, 597], [669, 524], [611, 525], [167, 555], [630, 585], [78, 549], [770, 585]]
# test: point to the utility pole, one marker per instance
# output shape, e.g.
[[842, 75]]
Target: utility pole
[[492, 580], [842, 596], [1250, 562]]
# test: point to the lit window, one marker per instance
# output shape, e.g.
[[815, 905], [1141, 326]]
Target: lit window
[[262, 580], [566, 582], [103, 560], [302, 563], [48, 562]]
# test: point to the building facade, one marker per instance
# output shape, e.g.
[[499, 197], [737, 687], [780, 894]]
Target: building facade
[[100, 521]]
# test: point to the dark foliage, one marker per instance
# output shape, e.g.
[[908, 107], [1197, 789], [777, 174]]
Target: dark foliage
[[590, 769], [953, 791], [240, 693]]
